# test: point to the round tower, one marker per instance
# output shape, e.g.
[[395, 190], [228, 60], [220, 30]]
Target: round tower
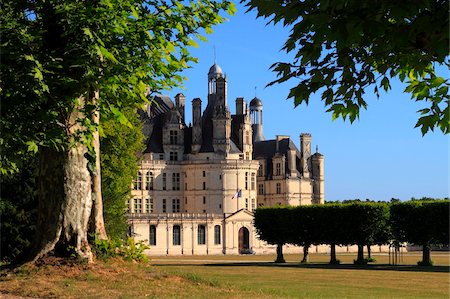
[[256, 117]]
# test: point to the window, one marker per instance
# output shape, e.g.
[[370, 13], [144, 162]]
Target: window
[[138, 182], [247, 156], [176, 235], [201, 235], [261, 170], [173, 137], [149, 181], [175, 181], [278, 188], [220, 177], [127, 208], [173, 156], [164, 206], [246, 203], [246, 181], [278, 169], [176, 205], [261, 189], [152, 236], [204, 173], [204, 185], [253, 204], [164, 186], [161, 156], [217, 234], [150, 205], [138, 205], [220, 206], [204, 200], [253, 181], [247, 137]]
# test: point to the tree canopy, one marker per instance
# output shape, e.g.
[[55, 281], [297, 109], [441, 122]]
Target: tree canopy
[[344, 47]]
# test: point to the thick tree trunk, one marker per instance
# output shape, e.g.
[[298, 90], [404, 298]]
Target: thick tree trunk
[[426, 255], [369, 252], [65, 199], [280, 257], [97, 221], [305, 254], [333, 259], [65, 204], [360, 259]]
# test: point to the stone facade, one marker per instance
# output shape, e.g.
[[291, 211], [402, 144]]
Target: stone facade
[[199, 183]]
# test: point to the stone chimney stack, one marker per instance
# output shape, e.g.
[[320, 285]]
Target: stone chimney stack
[[240, 106], [179, 103], [196, 125], [292, 159], [305, 148]]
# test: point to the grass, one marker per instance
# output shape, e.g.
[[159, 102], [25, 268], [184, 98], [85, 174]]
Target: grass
[[233, 277]]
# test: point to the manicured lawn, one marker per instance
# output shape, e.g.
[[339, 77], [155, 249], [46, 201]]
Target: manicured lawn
[[232, 277]]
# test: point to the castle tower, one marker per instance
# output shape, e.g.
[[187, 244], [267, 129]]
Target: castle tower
[[245, 129], [256, 113]]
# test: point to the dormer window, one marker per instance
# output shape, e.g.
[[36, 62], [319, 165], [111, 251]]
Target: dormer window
[[278, 169], [173, 137], [173, 156]]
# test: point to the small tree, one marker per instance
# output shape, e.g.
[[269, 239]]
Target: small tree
[[367, 222], [274, 225], [422, 223]]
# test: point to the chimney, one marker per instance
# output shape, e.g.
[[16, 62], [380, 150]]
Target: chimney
[[179, 103], [240, 106], [196, 125], [292, 157], [305, 148]]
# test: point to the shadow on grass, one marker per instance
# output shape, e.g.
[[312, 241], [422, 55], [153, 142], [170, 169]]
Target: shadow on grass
[[385, 267]]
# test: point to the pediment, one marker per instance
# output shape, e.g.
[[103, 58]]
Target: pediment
[[241, 215]]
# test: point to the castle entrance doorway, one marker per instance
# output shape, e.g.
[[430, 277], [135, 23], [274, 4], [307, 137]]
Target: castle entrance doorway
[[244, 239]]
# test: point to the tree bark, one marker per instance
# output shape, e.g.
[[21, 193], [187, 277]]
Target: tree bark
[[97, 220], [305, 254], [65, 200], [333, 259], [360, 259], [369, 252], [426, 255], [280, 257]]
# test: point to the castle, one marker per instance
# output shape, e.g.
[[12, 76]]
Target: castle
[[198, 185]]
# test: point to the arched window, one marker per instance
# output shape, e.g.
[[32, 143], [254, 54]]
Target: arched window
[[149, 181], [201, 234], [217, 234], [176, 235], [152, 236]]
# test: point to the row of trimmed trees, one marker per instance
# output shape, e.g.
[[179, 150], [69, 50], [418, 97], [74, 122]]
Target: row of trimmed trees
[[423, 223]]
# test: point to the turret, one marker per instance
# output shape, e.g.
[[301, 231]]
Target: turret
[[318, 175], [256, 118]]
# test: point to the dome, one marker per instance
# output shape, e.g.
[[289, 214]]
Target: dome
[[215, 71], [256, 102]]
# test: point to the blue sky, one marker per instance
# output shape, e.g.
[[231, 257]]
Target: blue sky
[[379, 156]]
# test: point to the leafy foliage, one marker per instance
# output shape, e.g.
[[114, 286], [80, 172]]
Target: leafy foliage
[[119, 161], [54, 53], [344, 47], [18, 210], [128, 250]]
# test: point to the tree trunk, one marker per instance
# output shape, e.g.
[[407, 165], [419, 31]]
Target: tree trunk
[[65, 199], [369, 252], [426, 255], [97, 221], [280, 257], [333, 259], [360, 259], [305, 254]]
